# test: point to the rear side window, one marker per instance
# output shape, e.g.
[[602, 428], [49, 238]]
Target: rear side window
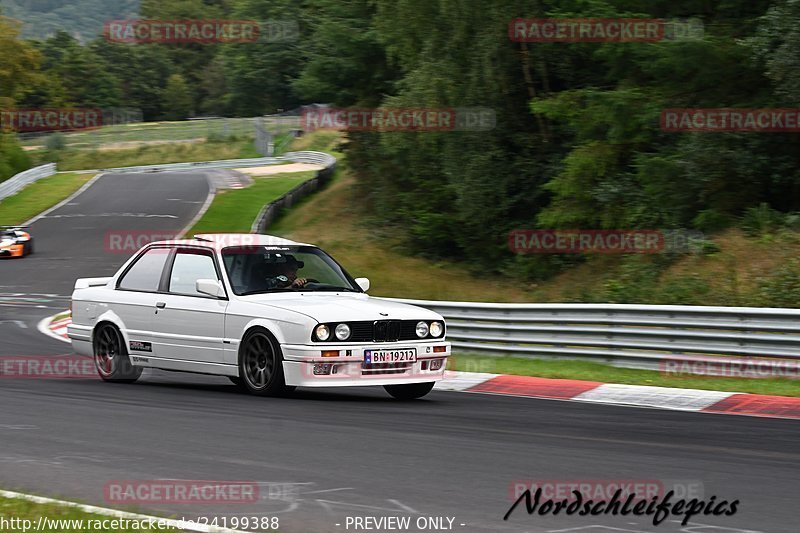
[[145, 274], [189, 266]]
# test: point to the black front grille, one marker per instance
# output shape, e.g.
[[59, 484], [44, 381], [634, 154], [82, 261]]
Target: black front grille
[[386, 331], [380, 331], [360, 331], [376, 369]]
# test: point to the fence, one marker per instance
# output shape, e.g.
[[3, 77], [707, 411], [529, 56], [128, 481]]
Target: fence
[[13, 184], [635, 336]]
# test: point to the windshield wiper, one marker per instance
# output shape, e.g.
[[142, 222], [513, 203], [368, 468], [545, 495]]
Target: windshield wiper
[[260, 291], [329, 289]]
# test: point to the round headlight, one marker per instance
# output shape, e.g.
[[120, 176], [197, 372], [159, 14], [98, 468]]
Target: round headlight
[[342, 332], [436, 329], [422, 329], [323, 332]]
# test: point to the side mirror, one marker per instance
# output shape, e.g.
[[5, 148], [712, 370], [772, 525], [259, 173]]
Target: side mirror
[[363, 283], [210, 287]]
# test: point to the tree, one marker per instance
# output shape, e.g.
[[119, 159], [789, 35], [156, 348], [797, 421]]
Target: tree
[[19, 64], [259, 74], [13, 158], [177, 98]]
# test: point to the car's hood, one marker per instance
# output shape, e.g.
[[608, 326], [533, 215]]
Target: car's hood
[[5, 243], [337, 307]]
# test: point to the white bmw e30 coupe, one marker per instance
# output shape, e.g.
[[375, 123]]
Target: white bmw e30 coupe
[[269, 313]]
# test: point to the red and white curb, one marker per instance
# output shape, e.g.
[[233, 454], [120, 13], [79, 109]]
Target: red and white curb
[[56, 329], [692, 400]]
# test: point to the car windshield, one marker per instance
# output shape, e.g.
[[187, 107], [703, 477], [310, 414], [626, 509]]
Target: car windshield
[[260, 269]]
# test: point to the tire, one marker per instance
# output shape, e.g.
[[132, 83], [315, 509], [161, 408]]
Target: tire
[[29, 248], [410, 391], [111, 356], [261, 365]]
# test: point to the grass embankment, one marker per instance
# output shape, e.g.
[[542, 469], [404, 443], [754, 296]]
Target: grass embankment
[[235, 210], [57, 518], [332, 218], [40, 196], [155, 154]]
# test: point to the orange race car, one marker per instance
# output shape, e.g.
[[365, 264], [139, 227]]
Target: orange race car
[[15, 242]]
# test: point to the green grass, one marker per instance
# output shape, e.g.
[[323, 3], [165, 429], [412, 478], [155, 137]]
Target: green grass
[[155, 154], [589, 371], [25, 510], [39, 196], [156, 131], [234, 211]]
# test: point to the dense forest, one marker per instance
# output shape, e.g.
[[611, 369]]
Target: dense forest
[[83, 19], [577, 141]]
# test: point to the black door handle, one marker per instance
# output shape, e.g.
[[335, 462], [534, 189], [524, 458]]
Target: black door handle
[[161, 305]]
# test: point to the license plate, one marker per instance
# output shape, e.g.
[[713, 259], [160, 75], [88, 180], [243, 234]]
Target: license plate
[[390, 356]]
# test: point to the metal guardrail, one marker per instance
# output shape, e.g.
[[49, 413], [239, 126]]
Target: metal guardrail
[[317, 158], [272, 210], [636, 336], [13, 184], [175, 167]]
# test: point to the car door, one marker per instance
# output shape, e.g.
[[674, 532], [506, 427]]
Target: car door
[[189, 326], [135, 297]]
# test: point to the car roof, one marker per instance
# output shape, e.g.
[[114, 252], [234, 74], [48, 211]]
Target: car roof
[[223, 240]]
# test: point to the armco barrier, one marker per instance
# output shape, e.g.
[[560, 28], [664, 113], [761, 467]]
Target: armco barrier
[[273, 209], [636, 336], [175, 167], [13, 184], [289, 157]]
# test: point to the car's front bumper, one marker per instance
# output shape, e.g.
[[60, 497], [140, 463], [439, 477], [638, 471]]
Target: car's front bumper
[[11, 251], [303, 364]]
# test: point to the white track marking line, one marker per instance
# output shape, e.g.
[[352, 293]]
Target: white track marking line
[[65, 202], [212, 193], [178, 524]]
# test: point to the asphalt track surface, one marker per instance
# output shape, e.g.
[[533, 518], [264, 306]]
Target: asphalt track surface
[[322, 456]]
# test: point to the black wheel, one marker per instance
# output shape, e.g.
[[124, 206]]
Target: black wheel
[[261, 365], [410, 391], [30, 247], [111, 356]]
